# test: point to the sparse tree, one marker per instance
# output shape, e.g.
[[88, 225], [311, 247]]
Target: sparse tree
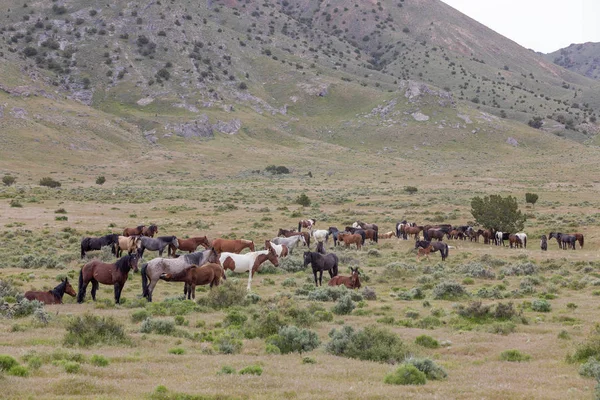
[[531, 198], [8, 180], [496, 212], [303, 200], [100, 180], [410, 189]]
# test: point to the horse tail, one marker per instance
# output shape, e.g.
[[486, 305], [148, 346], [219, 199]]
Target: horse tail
[[144, 280], [84, 242], [80, 292], [525, 242], [299, 226], [445, 250], [581, 242], [376, 236], [335, 266]]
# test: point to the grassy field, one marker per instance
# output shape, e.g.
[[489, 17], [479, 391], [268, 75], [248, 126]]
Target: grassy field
[[216, 191]]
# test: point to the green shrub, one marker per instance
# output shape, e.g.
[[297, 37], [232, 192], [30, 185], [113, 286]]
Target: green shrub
[[177, 351], [428, 367], [100, 180], [34, 362], [99, 361], [344, 306], [23, 308], [226, 295], [303, 200], [373, 343], [49, 182], [228, 342], [7, 362], [139, 315], [448, 291], [158, 326], [541, 305], [15, 203], [90, 330], [406, 374], [226, 370], [291, 339], [277, 170], [251, 370], [272, 349], [289, 282], [587, 349], [308, 360], [590, 369], [18, 370], [514, 356], [410, 189], [71, 367], [291, 264], [235, 318], [427, 341], [8, 180]]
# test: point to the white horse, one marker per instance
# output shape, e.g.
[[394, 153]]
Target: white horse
[[499, 240], [291, 243], [523, 237], [250, 262], [320, 235]]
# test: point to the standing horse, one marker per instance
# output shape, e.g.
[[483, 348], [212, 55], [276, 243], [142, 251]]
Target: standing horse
[[53, 296], [152, 270], [280, 249], [351, 238], [436, 246], [523, 237], [424, 251], [333, 231], [351, 282], [412, 230], [129, 243], [487, 236], [320, 235], [156, 244], [190, 245], [400, 229], [359, 231], [208, 274], [434, 234], [287, 233], [306, 223], [365, 226], [108, 274], [320, 263], [566, 241], [94, 243], [514, 240], [372, 235], [150, 231], [544, 243], [137, 231], [500, 237], [250, 262], [232, 245], [291, 243]]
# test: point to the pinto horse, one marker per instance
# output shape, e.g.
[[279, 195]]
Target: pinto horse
[[129, 243], [190, 245], [523, 237], [115, 274], [208, 274], [306, 223], [436, 246], [96, 243], [320, 235], [137, 231], [152, 270], [351, 282], [150, 231], [53, 296], [351, 238], [280, 249], [250, 262], [232, 245], [287, 233], [291, 243], [320, 263]]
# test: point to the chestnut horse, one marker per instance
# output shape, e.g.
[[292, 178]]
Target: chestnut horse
[[250, 262], [372, 235], [53, 296], [108, 274], [412, 230], [137, 231], [232, 246], [388, 235], [514, 240], [287, 234], [351, 238], [306, 223], [189, 245], [150, 231], [351, 282], [208, 274]]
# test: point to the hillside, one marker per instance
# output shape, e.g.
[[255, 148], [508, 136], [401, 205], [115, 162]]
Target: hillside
[[583, 58]]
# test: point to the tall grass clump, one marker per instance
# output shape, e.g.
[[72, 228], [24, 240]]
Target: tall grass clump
[[89, 330], [372, 343]]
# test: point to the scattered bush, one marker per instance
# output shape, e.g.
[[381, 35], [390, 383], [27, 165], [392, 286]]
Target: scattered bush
[[541, 305], [226, 370], [251, 370], [369, 294], [373, 343], [228, 342], [100, 180], [590, 369], [15, 203], [406, 374], [427, 341], [344, 306], [410, 189], [177, 351], [158, 326], [18, 370], [22, 308], [279, 170], [49, 182], [428, 367], [8, 180], [514, 356], [99, 361], [303, 200], [291, 339], [139, 315], [587, 349], [448, 291], [7, 362], [226, 295], [71, 367], [90, 330]]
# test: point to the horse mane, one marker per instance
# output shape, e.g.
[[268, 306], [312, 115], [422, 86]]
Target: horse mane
[[122, 264], [245, 241], [166, 238], [140, 227], [59, 290]]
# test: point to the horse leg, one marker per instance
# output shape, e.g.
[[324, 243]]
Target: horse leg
[[117, 287], [94, 288], [250, 274], [151, 288], [82, 288], [315, 274], [321, 277]]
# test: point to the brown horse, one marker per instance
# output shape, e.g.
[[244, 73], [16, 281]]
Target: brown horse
[[286, 233], [128, 243], [579, 237], [388, 235], [150, 231], [424, 251], [53, 296], [488, 235], [372, 234], [351, 282], [232, 246], [306, 223], [208, 274], [350, 238], [137, 231], [514, 240], [108, 274], [189, 245], [412, 230]]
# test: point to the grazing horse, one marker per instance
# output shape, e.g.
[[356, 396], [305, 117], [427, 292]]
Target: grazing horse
[[514, 240], [190, 245], [400, 229], [436, 246], [286, 233], [354, 230], [96, 243], [434, 234], [53, 296], [544, 243], [351, 238], [280, 249], [137, 231], [523, 237], [150, 231], [291, 243], [208, 274], [351, 282], [333, 231], [320, 263], [500, 237], [412, 230], [129, 243], [152, 270], [565, 241], [487, 236], [232, 245], [156, 244], [250, 262], [372, 235], [108, 274], [388, 235], [320, 235], [306, 223]]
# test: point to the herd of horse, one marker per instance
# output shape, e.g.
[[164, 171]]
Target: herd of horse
[[208, 266]]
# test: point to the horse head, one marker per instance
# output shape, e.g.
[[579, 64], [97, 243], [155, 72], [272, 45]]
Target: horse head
[[302, 239], [213, 257], [354, 281], [272, 256], [133, 262], [307, 258], [69, 289]]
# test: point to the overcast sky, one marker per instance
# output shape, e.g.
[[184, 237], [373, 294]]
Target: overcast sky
[[541, 25]]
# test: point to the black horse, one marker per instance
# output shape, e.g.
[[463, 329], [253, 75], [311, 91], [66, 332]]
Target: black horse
[[444, 228], [320, 263], [441, 246], [565, 241], [544, 243], [333, 231], [434, 234], [96, 243]]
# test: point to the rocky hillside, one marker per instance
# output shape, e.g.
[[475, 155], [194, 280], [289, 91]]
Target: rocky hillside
[[583, 58]]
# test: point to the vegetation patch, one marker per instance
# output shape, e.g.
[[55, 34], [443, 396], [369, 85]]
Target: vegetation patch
[[90, 330], [372, 343]]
